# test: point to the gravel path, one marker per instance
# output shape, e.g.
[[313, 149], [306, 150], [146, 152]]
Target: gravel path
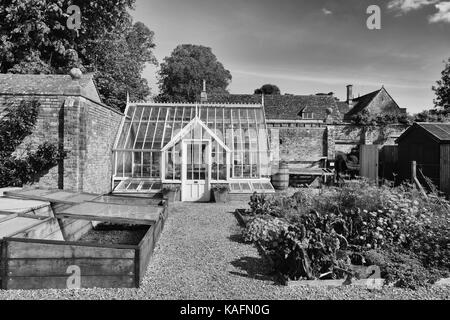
[[200, 255]]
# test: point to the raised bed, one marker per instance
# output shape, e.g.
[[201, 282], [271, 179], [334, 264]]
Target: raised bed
[[83, 250]]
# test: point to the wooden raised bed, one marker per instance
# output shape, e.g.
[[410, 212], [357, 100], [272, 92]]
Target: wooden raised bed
[[51, 254]]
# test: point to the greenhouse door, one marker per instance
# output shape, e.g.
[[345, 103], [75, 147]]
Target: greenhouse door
[[195, 171]]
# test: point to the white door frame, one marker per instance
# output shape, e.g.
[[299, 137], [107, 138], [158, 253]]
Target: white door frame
[[208, 159]]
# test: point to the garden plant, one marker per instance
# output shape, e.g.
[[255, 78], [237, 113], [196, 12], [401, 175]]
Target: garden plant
[[325, 236]]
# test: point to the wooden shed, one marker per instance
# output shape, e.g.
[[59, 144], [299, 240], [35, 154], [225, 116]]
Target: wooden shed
[[429, 145]]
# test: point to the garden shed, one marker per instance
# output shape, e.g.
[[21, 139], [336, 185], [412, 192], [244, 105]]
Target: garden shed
[[429, 145], [193, 146]]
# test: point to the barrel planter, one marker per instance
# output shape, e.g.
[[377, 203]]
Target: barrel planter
[[220, 196], [280, 181]]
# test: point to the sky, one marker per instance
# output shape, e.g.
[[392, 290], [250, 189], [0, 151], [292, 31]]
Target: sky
[[311, 46]]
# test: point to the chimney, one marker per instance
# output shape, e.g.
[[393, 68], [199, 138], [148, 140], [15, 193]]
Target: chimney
[[350, 94], [204, 96]]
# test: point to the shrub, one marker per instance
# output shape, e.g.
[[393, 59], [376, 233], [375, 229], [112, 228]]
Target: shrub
[[394, 228], [170, 188], [221, 187], [16, 124]]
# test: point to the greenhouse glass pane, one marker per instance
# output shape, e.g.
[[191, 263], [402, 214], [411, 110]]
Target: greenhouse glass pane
[[147, 185], [158, 136], [133, 186], [139, 143], [137, 164], [127, 164], [123, 135], [202, 111], [235, 186], [156, 165], [245, 186], [257, 186], [146, 114], [119, 164], [123, 185], [154, 114], [148, 145], [147, 164], [131, 136], [169, 165], [130, 111], [268, 186], [138, 114], [157, 186]]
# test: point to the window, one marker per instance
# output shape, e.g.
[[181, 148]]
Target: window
[[307, 115]]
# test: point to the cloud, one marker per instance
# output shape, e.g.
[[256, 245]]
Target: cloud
[[404, 6], [443, 14], [326, 11]]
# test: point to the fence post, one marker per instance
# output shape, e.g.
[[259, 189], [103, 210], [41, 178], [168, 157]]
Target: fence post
[[413, 171]]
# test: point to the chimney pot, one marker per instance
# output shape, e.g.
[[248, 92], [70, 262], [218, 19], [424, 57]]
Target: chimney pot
[[350, 94], [204, 95]]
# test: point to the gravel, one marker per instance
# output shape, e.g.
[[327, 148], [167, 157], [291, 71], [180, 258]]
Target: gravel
[[200, 255]]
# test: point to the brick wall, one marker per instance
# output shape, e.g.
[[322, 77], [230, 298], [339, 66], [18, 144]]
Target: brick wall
[[302, 147], [101, 129], [88, 131]]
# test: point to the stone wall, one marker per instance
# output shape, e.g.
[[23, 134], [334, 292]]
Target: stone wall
[[87, 130], [303, 146]]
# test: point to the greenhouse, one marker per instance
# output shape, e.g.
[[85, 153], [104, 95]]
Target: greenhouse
[[194, 146]]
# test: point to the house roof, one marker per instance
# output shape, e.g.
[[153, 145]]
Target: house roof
[[285, 107], [31, 84], [360, 103], [439, 131], [343, 107]]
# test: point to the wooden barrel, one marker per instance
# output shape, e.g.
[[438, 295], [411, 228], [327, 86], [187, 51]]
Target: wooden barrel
[[280, 181]]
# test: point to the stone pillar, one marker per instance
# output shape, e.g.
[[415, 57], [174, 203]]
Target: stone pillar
[[331, 143], [274, 149]]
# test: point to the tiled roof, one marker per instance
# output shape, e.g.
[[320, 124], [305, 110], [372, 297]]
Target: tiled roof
[[343, 107], [48, 85], [360, 103], [286, 107]]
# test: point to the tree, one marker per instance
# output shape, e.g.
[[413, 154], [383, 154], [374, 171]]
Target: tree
[[182, 73], [120, 61], [442, 90], [34, 39], [268, 89]]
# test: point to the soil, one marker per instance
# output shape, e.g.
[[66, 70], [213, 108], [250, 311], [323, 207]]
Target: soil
[[115, 234]]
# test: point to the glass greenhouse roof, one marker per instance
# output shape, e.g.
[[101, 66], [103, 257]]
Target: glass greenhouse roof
[[152, 126]]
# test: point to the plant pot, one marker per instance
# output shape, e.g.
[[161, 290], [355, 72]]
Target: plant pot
[[220, 197], [170, 196]]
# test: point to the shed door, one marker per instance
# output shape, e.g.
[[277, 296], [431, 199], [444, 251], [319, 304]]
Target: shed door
[[369, 162], [195, 182]]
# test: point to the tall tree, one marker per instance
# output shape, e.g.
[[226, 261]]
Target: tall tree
[[442, 90], [268, 89], [34, 38], [181, 75]]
